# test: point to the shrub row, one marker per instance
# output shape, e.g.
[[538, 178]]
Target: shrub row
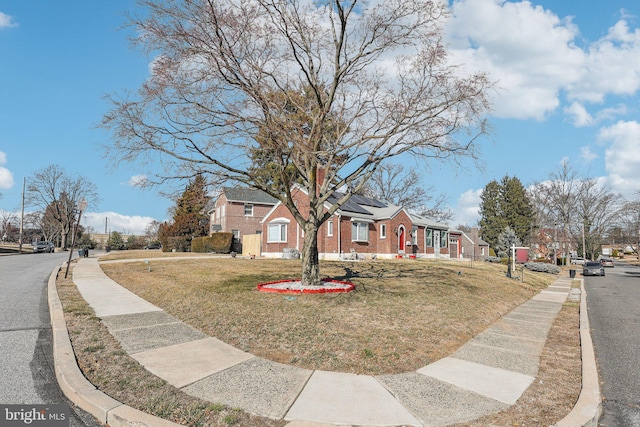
[[217, 243], [542, 267]]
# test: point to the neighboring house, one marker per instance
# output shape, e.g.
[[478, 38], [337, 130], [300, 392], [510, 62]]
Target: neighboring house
[[239, 211], [472, 246], [608, 250], [361, 227]]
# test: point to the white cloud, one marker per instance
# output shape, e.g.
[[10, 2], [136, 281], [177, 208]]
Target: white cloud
[[534, 57], [138, 181], [467, 210], [622, 156], [125, 224], [608, 68], [7, 21], [579, 115], [527, 49], [587, 155], [6, 177]]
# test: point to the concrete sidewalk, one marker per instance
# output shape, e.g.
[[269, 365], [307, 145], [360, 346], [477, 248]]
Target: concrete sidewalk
[[486, 375]]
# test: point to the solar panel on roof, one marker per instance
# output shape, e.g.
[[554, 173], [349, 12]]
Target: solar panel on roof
[[350, 205], [367, 201]]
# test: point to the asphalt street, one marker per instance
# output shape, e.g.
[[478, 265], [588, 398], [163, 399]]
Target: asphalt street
[[614, 315], [26, 363]]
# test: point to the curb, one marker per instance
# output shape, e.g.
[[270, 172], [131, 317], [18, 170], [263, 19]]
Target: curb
[[588, 408], [76, 387], [109, 411]]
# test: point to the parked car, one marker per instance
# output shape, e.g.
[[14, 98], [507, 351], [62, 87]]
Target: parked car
[[606, 262], [577, 261], [153, 246], [47, 247], [592, 268]]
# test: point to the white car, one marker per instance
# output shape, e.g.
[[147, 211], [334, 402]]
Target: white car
[[577, 261]]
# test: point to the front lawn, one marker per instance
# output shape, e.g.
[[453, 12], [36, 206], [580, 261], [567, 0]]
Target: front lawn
[[404, 314]]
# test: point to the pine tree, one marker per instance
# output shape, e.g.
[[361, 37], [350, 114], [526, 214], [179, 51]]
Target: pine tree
[[492, 221], [189, 217], [506, 204]]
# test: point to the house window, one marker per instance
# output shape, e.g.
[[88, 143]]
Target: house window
[[414, 235], [236, 235], [248, 209], [277, 233], [429, 238], [383, 231], [330, 228], [359, 232], [443, 239]]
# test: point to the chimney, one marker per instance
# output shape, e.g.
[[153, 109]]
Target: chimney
[[320, 175]]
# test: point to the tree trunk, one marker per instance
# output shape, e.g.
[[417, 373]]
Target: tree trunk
[[63, 236], [310, 262]]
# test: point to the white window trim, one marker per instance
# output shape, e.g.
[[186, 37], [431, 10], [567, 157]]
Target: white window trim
[[358, 225], [444, 239], [246, 205], [383, 231], [330, 228], [281, 223]]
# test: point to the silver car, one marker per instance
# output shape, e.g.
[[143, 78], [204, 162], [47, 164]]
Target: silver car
[[592, 268], [43, 247]]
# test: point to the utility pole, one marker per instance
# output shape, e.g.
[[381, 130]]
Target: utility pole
[[24, 182], [82, 205], [584, 250]]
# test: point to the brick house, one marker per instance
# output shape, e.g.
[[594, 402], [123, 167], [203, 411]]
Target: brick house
[[239, 211], [472, 246], [362, 227]]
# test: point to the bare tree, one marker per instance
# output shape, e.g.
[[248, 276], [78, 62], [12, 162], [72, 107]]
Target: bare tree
[[582, 208], [394, 184], [629, 224], [9, 223], [300, 86], [151, 230], [597, 210], [58, 195], [555, 201]]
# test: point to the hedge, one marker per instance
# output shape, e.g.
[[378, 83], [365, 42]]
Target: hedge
[[216, 243]]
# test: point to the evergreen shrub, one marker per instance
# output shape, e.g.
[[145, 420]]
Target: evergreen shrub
[[216, 243], [542, 267]]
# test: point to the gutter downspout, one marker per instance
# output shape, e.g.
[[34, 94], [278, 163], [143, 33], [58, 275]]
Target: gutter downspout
[[339, 235]]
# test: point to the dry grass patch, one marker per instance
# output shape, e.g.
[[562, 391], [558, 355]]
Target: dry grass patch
[[403, 314], [110, 369], [151, 253]]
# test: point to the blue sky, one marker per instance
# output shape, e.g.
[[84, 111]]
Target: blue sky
[[568, 74]]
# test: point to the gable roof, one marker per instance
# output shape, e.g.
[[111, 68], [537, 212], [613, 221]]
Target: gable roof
[[368, 208], [248, 195], [425, 222]]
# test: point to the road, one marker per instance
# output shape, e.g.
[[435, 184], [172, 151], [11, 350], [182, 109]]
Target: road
[[27, 375], [614, 315]]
